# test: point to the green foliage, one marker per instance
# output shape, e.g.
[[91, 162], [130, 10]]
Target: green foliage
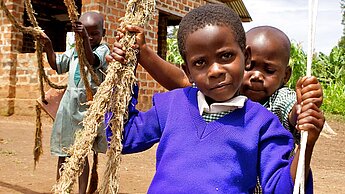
[[330, 71], [297, 63], [173, 54]]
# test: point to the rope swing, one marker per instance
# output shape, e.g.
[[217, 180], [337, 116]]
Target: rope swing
[[299, 186], [113, 94], [36, 32]]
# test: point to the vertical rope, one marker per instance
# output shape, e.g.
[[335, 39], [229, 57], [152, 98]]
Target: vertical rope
[[137, 13], [38, 136], [299, 186], [79, 46], [83, 63], [38, 147], [113, 94]]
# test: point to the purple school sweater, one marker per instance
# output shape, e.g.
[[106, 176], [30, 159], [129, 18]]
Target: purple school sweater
[[223, 156]]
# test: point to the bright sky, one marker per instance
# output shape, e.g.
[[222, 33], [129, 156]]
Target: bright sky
[[291, 16]]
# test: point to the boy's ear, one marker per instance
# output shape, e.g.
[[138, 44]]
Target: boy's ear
[[186, 71], [247, 55], [288, 72]]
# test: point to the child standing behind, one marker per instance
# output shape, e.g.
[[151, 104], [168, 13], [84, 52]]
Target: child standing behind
[[266, 76], [72, 106], [211, 139]]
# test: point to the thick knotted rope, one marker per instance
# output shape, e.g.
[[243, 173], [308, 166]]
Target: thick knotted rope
[[79, 46], [113, 95]]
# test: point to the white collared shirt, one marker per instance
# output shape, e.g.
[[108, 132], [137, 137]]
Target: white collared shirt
[[232, 104]]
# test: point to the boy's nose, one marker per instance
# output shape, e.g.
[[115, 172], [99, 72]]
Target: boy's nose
[[215, 70], [256, 76]]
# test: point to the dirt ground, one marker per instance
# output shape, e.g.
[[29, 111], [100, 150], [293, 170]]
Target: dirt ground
[[17, 174]]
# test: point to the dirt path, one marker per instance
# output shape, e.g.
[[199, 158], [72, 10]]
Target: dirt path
[[18, 176]]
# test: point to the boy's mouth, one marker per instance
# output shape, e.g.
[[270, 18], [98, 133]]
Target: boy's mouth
[[255, 87], [220, 86], [255, 90]]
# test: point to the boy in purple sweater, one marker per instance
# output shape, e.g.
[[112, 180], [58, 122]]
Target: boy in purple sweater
[[211, 139]]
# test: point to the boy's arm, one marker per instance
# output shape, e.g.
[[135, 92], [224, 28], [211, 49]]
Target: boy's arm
[[48, 48], [309, 118], [165, 73], [79, 28]]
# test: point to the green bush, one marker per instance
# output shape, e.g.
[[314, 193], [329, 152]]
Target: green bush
[[173, 54], [330, 71]]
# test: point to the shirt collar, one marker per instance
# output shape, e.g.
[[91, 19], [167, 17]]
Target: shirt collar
[[232, 104]]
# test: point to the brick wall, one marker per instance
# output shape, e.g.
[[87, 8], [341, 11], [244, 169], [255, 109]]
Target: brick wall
[[18, 71], [10, 41]]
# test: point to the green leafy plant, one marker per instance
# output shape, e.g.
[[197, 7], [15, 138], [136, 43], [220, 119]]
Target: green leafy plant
[[173, 54], [330, 71]]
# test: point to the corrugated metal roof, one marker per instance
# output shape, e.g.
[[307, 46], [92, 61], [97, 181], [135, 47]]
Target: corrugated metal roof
[[240, 8]]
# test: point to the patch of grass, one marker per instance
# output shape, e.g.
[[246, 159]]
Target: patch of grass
[[329, 70], [334, 98]]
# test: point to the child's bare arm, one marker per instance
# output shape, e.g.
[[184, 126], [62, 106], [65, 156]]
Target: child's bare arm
[[166, 74], [312, 93], [79, 28], [48, 48], [310, 119]]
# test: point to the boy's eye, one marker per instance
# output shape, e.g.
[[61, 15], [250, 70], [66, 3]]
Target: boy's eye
[[270, 71], [226, 56], [199, 63]]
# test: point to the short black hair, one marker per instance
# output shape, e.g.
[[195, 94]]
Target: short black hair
[[272, 33], [276, 31], [210, 14], [97, 17]]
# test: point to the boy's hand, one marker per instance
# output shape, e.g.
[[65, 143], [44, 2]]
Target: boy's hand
[[118, 53], [79, 28], [309, 90], [46, 40], [311, 119], [309, 99]]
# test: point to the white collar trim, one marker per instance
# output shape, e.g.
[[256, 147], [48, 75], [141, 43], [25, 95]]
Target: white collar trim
[[232, 104]]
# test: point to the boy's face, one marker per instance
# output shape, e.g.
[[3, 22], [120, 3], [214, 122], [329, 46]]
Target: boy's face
[[94, 30], [268, 70], [215, 62]]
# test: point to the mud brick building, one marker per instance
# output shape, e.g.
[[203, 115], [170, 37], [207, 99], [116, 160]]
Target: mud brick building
[[19, 87]]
